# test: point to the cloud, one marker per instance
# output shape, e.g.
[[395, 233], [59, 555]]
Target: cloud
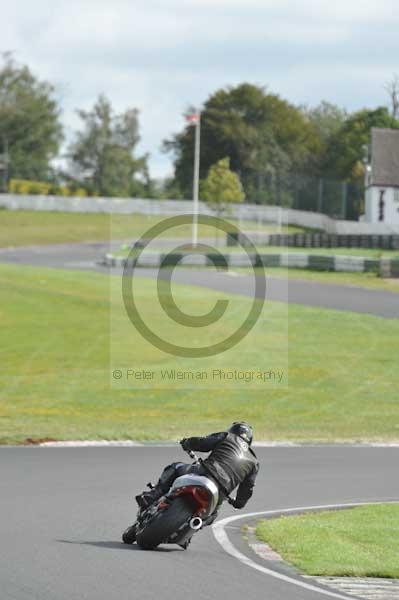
[[161, 56]]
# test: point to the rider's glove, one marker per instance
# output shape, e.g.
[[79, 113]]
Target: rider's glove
[[184, 444], [234, 503]]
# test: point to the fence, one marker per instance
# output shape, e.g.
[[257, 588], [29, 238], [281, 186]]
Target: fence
[[337, 199]]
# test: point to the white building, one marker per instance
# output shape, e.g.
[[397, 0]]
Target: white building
[[382, 178]]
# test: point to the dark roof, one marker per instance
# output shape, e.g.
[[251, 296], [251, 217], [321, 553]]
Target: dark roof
[[385, 157]]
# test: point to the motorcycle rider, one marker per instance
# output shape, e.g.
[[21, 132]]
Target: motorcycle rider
[[231, 463]]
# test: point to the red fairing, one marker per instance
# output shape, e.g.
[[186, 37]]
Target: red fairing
[[199, 495]]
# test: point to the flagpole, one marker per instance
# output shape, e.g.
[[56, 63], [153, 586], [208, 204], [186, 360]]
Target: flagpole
[[196, 180]]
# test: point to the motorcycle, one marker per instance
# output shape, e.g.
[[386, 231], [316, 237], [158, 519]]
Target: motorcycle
[[189, 504]]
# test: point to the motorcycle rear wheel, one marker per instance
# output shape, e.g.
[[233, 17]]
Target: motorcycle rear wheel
[[165, 524]]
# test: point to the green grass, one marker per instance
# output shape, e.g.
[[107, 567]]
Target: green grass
[[55, 376], [365, 280], [24, 227], [361, 542]]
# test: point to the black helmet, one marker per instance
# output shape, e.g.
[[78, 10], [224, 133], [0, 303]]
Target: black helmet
[[243, 430]]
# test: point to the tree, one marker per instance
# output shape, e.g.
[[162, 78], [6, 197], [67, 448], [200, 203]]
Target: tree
[[102, 155], [346, 148], [327, 118], [221, 187], [261, 134], [392, 88], [29, 121]]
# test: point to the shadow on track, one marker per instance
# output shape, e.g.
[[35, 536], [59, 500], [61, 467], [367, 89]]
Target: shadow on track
[[116, 546]]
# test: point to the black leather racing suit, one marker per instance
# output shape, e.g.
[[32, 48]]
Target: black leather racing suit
[[231, 463]]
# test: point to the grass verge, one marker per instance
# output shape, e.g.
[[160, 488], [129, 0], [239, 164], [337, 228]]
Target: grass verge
[[55, 376], [24, 227], [360, 542], [365, 280]]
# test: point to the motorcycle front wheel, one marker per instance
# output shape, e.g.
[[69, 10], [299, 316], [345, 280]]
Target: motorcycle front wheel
[[129, 535], [165, 523]]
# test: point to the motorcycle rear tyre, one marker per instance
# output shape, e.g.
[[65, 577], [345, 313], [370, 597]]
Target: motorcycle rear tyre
[[165, 524]]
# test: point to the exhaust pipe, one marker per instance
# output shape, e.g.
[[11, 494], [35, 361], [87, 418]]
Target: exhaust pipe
[[196, 523]]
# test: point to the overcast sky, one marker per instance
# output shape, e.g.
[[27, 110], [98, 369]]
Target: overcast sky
[[160, 56]]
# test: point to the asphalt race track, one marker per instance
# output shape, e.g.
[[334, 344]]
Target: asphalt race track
[[63, 510], [86, 256]]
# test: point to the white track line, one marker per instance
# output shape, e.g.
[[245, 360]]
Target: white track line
[[222, 538]]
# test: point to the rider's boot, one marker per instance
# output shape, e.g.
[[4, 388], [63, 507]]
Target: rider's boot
[[145, 499], [168, 475]]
